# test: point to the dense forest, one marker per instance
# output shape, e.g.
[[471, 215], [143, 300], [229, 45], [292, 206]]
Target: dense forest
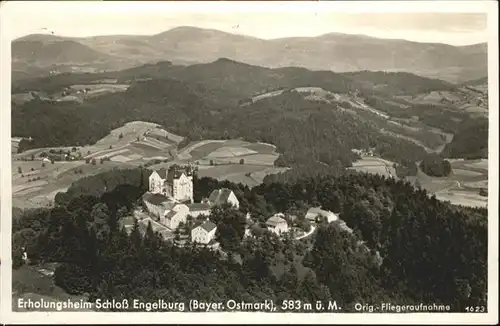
[[400, 83], [470, 140], [435, 166], [431, 251]]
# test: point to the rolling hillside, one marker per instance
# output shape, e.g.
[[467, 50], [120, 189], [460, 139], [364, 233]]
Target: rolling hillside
[[335, 52]]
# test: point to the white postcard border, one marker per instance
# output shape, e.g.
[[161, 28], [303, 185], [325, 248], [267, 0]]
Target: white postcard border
[[8, 316]]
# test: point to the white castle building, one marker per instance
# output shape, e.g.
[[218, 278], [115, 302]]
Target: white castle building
[[170, 200], [176, 183]]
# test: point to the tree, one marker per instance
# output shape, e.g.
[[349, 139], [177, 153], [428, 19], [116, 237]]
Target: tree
[[135, 235], [43, 164], [93, 161], [122, 212], [242, 161], [211, 162], [100, 217], [120, 136], [19, 170], [231, 225]]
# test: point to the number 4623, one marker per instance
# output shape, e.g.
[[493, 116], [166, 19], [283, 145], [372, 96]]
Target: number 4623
[[476, 309]]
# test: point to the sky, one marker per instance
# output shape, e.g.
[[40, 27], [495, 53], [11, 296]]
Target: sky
[[458, 23]]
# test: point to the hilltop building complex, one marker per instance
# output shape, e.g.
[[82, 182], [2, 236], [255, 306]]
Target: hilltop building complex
[[169, 202]]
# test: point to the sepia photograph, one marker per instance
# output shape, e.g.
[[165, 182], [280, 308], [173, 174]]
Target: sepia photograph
[[249, 162]]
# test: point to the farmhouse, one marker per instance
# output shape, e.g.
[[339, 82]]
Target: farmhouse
[[197, 209], [177, 183], [204, 233], [316, 213], [223, 196], [277, 224]]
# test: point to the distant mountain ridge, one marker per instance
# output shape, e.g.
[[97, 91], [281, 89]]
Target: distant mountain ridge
[[188, 45]]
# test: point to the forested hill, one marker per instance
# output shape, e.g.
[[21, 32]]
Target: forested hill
[[314, 137], [470, 141], [204, 101], [332, 51], [431, 251], [244, 80]]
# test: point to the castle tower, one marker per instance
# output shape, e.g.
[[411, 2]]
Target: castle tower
[[180, 181]]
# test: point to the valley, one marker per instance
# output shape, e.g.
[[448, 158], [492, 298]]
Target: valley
[[239, 122]]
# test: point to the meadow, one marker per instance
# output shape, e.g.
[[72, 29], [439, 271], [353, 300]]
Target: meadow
[[375, 165], [462, 186], [222, 160], [35, 183]]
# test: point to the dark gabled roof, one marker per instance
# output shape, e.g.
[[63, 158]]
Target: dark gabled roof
[[155, 199], [198, 207], [208, 226], [162, 173], [220, 196], [171, 214]]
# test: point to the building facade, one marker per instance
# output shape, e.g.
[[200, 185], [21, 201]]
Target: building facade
[[223, 196], [315, 214], [176, 183], [277, 224], [197, 209], [204, 233], [175, 216], [157, 204]]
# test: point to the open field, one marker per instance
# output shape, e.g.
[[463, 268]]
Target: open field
[[465, 198], [126, 135], [38, 187], [185, 154], [226, 155], [220, 149], [76, 93], [462, 186], [227, 152], [117, 142], [375, 165]]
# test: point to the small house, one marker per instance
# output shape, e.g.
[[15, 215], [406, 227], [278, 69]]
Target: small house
[[204, 233], [223, 196], [277, 224], [316, 214], [174, 217]]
